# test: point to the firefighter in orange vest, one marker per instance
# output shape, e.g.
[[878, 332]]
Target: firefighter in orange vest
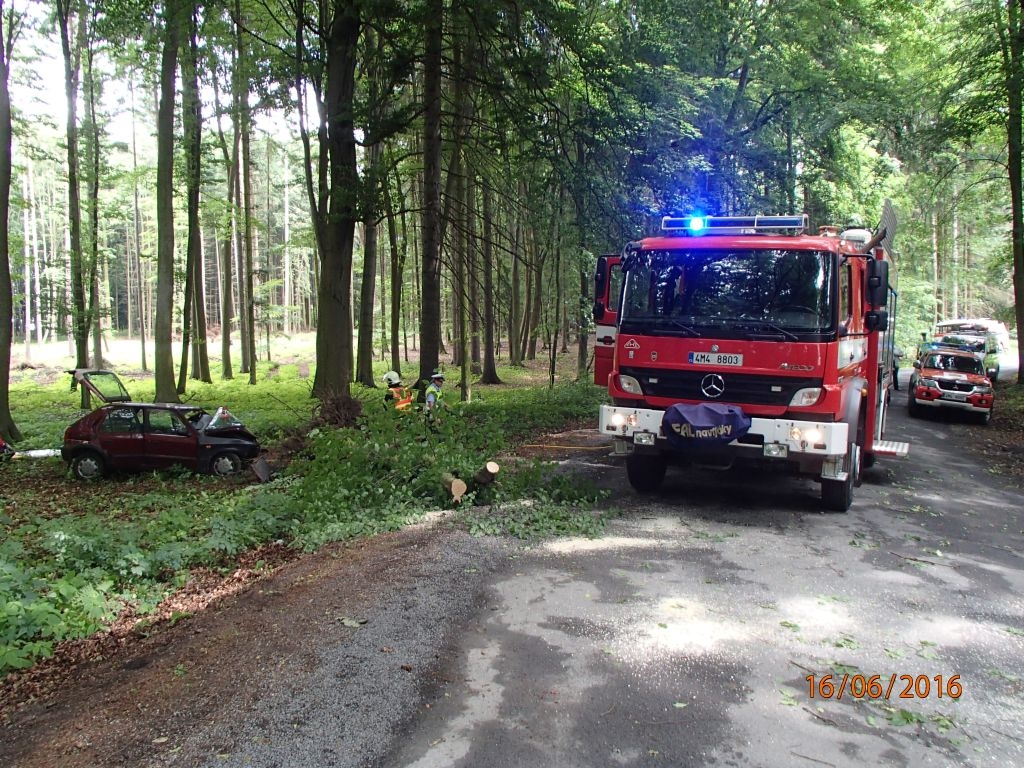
[[397, 395]]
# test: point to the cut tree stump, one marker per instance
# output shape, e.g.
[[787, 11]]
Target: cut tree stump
[[485, 475], [455, 486]]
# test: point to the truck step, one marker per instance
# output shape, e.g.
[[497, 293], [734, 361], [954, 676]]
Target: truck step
[[892, 448]]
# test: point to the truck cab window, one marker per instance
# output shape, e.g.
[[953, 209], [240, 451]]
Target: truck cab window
[[779, 287], [845, 304]]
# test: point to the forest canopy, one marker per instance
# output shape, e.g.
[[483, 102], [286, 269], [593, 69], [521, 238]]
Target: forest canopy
[[440, 176]]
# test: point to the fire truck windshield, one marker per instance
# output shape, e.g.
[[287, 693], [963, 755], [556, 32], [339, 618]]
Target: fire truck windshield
[[740, 292]]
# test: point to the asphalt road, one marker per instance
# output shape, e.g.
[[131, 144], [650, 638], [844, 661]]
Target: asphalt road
[[700, 630]]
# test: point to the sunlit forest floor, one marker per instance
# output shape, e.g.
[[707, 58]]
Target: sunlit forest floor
[[49, 361]]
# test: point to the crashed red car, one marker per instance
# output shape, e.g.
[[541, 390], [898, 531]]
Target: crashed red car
[[130, 436], [946, 378]]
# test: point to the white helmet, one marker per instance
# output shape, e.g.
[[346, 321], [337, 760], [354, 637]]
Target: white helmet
[[391, 378]]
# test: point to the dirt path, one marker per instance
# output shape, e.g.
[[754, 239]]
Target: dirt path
[[122, 708]]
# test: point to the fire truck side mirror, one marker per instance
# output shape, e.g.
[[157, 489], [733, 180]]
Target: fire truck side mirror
[[877, 283], [876, 320], [598, 311]]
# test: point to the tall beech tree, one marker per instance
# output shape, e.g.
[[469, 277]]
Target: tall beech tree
[[174, 13], [10, 21], [71, 22]]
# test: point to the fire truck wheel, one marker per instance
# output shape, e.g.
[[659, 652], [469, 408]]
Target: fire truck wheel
[[645, 471], [837, 495]]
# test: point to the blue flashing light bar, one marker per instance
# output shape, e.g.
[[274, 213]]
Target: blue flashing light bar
[[732, 225]]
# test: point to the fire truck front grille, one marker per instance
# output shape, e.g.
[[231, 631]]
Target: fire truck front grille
[[955, 386], [735, 387]]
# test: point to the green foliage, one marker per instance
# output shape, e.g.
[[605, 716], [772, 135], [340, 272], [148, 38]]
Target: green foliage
[[68, 565], [388, 470]]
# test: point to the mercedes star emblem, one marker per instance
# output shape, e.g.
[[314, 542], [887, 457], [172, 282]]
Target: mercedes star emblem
[[712, 386]]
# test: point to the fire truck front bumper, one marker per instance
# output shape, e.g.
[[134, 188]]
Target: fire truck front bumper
[[811, 443]]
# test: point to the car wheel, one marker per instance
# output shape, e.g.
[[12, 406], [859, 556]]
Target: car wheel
[[984, 418], [645, 471], [225, 463], [88, 466], [837, 495]]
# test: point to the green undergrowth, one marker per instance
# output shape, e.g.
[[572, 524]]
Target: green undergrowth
[[75, 556]]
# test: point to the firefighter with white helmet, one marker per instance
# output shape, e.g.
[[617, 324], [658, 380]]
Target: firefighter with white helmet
[[397, 395]]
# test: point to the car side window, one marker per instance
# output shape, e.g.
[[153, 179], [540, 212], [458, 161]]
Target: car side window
[[166, 423], [122, 421]]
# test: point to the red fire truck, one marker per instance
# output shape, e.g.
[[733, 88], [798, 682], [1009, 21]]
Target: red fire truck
[[747, 339]]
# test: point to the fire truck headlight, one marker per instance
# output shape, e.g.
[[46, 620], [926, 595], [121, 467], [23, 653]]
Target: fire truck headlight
[[619, 420], [804, 397], [811, 435], [930, 383], [983, 389], [631, 385]]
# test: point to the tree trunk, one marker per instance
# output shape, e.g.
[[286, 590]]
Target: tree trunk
[[192, 122], [227, 310], [472, 273], [583, 335], [397, 276], [8, 429], [489, 373], [70, 47], [936, 294], [515, 310], [92, 153], [364, 347], [245, 127], [1015, 148], [164, 363], [461, 307], [337, 227], [374, 177], [454, 485], [430, 312], [486, 474], [137, 250]]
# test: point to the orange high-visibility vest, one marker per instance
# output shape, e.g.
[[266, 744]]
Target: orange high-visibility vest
[[401, 397]]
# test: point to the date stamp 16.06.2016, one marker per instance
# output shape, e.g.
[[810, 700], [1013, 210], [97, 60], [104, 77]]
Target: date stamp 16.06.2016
[[831, 686]]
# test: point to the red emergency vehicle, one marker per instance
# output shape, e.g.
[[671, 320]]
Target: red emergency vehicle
[[748, 339]]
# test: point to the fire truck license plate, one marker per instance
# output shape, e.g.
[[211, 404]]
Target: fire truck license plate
[[714, 358]]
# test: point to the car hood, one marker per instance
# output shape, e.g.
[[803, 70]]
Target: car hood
[[940, 375], [220, 421]]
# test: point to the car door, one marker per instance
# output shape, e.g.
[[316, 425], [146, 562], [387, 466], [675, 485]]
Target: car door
[[169, 439], [120, 437], [607, 286]]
